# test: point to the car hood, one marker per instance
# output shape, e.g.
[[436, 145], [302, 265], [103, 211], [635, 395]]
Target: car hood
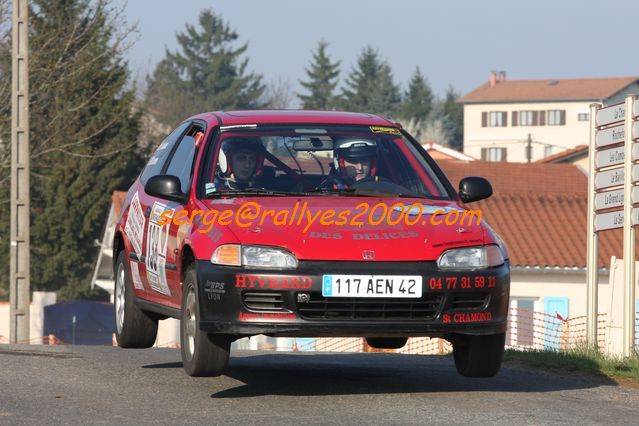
[[291, 226]]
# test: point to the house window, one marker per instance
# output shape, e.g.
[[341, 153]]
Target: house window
[[583, 116], [493, 154], [494, 119], [556, 117], [525, 118], [497, 119]]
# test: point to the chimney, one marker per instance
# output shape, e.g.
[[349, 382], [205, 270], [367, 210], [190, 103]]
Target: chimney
[[493, 78], [502, 76]]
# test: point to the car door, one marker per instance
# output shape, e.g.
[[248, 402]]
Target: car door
[[154, 289], [181, 163]]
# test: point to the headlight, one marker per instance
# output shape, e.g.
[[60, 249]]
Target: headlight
[[253, 257], [471, 258]]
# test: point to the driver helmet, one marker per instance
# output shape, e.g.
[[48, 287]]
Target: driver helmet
[[354, 149], [235, 145]]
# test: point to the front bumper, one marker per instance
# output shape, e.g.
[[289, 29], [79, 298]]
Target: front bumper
[[243, 302]]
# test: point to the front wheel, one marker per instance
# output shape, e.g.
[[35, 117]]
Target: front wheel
[[203, 355], [479, 356]]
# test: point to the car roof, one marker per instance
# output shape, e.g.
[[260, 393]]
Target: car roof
[[230, 118]]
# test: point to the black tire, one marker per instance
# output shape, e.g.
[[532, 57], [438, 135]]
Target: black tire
[[479, 356], [203, 355], [386, 342], [134, 328]]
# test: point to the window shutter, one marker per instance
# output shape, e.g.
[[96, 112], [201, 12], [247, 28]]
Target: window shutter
[[504, 119], [514, 118], [503, 154], [562, 117], [535, 118], [542, 118], [484, 119], [484, 152]]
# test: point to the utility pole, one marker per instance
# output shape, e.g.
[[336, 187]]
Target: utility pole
[[19, 287], [529, 148]]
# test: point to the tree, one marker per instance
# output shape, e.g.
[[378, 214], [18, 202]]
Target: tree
[[418, 99], [83, 135], [322, 80], [205, 73], [370, 86], [454, 118], [278, 93]]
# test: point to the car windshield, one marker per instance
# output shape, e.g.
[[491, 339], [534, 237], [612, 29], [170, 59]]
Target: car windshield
[[318, 160]]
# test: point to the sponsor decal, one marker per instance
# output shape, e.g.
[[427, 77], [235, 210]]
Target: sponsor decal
[[135, 275], [214, 290], [134, 226], [458, 242], [385, 235], [325, 235], [468, 317], [389, 130], [266, 316], [462, 282], [157, 239], [272, 282]]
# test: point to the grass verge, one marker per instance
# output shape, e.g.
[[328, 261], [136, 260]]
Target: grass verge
[[580, 360]]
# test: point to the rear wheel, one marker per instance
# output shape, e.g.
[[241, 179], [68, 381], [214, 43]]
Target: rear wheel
[[203, 355], [134, 328], [479, 356], [386, 342]]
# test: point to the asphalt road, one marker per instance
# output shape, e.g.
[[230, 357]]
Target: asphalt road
[[80, 384]]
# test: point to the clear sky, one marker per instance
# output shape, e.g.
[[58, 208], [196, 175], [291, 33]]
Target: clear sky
[[453, 42]]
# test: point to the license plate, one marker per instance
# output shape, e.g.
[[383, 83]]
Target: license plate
[[400, 286]]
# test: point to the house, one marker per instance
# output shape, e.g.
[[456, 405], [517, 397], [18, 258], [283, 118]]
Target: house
[[527, 120], [440, 152], [539, 209], [577, 156]]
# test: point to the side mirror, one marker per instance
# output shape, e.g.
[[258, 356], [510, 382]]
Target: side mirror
[[474, 188], [167, 187]]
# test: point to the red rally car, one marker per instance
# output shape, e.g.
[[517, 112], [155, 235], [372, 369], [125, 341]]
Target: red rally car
[[304, 223]]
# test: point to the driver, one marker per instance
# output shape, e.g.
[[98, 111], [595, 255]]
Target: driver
[[240, 163], [353, 160]]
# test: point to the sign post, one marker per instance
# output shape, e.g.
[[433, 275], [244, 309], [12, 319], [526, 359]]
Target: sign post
[[629, 234], [593, 241], [611, 197], [19, 285]]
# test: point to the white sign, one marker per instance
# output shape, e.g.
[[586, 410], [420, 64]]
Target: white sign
[[609, 178], [134, 226], [615, 156], [611, 114], [613, 220], [609, 199], [610, 136], [156, 245], [612, 199], [615, 113], [614, 177]]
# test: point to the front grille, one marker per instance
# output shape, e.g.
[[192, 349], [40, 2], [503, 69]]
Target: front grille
[[322, 308], [469, 300], [263, 301]]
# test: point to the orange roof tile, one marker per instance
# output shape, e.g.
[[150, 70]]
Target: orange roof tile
[[580, 89], [539, 210], [567, 155]]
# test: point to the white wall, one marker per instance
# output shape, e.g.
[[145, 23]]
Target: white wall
[[571, 134]]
